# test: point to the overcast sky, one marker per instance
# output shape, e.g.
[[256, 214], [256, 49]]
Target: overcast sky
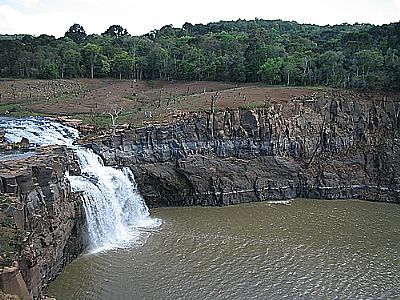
[[139, 17]]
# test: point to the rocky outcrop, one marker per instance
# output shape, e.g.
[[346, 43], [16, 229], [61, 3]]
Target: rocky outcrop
[[334, 145], [45, 213], [12, 282]]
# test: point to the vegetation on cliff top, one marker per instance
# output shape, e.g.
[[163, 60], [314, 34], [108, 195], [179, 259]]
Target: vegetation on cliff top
[[276, 52]]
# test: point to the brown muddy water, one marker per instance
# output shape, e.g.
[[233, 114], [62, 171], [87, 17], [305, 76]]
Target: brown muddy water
[[311, 249]]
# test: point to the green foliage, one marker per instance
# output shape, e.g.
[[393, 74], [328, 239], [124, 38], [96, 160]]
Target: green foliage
[[72, 63], [76, 33], [252, 105], [90, 54], [276, 52], [123, 64], [116, 31], [49, 71], [270, 71]]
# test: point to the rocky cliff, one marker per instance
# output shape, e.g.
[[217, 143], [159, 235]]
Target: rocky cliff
[[331, 144], [45, 220]]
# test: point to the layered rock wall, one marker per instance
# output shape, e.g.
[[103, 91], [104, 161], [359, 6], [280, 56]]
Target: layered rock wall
[[45, 213], [332, 145]]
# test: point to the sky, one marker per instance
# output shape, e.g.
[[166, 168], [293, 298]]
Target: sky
[[54, 17]]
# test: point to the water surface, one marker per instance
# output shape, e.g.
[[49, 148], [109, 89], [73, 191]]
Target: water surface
[[311, 249]]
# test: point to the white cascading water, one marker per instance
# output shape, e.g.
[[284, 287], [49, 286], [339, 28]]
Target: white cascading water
[[116, 214]]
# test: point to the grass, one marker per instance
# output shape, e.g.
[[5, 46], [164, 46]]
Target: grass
[[252, 105], [100, 121], [164, 100], [15, 110], [9, 107]]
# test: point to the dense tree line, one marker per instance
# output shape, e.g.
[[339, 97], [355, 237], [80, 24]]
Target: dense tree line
[[275, 52]]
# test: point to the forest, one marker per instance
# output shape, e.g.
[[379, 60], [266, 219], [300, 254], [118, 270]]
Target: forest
[[275, 52]]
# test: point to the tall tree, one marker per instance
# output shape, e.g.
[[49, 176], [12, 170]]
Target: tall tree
[[289, 66], [116, 31], [123, 64], [271, 70], [368, 61], [76, 33], [331, 63], [279, 52], [90, 55]]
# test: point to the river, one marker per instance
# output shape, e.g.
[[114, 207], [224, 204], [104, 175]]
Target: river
[[311, 249]]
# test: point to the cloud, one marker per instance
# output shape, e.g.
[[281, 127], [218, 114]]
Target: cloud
[[139, 17], [7, 15], [17, 22]]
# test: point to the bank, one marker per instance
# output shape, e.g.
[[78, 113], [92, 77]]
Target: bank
[[328, 145]]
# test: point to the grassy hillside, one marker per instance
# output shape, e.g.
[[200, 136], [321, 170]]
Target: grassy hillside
[[137, 102]]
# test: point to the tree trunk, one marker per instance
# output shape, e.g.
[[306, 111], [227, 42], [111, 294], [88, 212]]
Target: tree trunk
[[92, 70], [363, 76]]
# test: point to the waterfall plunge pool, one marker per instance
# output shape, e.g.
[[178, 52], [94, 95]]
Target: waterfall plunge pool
[[312, 249]]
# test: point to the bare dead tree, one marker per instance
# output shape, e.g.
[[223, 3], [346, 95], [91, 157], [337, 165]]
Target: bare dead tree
[[114, 112], [159, 99], [213, 99]]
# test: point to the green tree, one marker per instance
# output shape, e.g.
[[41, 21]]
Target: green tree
[[331, 63], [392, 68], [116, 31], [90, 55], [271, 70], [368, 61], [76, 33], [49, 71], [238, 73], [103, 66], [123, 64], [66, 49], [289, 66], [72, 63]]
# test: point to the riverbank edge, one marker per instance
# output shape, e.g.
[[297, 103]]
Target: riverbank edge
[[46, 217]]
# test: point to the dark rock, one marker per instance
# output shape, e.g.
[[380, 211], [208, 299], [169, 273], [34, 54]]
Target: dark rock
[[334, 144], [2, 135], [46, 211]]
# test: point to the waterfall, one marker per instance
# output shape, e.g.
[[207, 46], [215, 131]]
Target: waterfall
[[116, 215]]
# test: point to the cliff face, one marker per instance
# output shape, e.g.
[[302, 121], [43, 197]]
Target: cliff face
[[330, 145], [47, 216]]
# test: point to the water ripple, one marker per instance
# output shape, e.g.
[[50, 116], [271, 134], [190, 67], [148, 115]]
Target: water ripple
[[309, 250]]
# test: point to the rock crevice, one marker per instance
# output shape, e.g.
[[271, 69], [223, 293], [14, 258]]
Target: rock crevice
[[334, 144]]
